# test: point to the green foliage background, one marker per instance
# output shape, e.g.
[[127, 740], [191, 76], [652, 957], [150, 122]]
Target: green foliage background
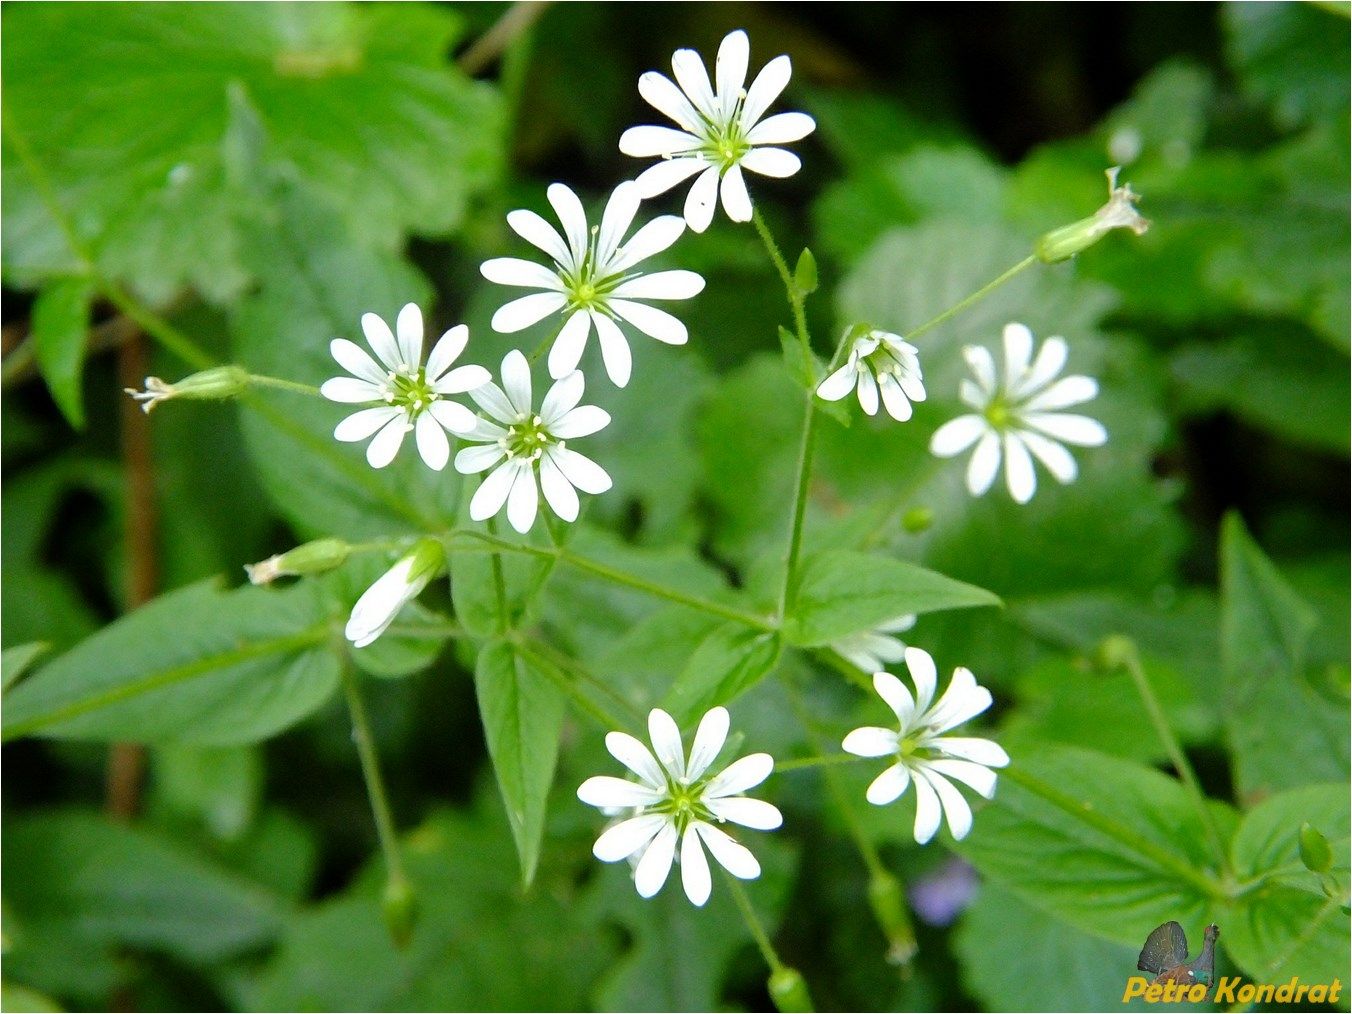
[[261, 174]]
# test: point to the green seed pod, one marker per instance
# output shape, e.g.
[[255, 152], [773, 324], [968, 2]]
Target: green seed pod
[[789, 992], [309, 558], [399, 908], [215, 384], [917, 520], [1315, 851], [1119, 213]]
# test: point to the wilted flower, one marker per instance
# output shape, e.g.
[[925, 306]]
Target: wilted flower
[[1119, 213], [879, 363], [214, 384]]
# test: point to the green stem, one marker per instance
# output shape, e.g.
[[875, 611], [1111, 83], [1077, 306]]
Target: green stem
[[753, 923], [499, 580], [801, 487], [370, 769], [259, 380], [1131, 661], [975, 297], [803, 763], [786, 276]]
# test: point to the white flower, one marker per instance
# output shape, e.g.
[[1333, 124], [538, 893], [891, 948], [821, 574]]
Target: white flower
[[396, 588], [592, 282], [879, 363], [1020, 413], [924, 755], [678, 800], [530, 441], [721, 132], [871, 650], [413, 395]]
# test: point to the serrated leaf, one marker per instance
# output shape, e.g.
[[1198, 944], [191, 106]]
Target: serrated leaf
[[60, 327], [522, 711], [728, 662], [198, 665], [840, 593]]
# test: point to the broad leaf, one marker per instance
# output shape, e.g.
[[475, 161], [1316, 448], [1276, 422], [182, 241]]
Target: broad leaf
[[1268, 839], [727, 663], [60, 328]]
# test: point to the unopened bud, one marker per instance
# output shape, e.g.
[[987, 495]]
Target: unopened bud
[[310, 558], [1315, 851], [399, 908], [398, 586], [805, 273], [917, 520], [215, 384], [1119, 213], [788, 990], [888, 902], [1114, 653]]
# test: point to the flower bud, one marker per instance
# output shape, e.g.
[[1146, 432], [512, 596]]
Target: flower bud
[[1315, 851], [393, 590], [805, 273], [399, 909], [1119, 213], [1114, 653], [789, 991], [310, 558], [215, 384], [889, 908]]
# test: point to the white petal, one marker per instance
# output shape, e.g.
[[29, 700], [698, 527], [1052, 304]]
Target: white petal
[[433, 447], [956, 809], [454, 416], [1019, 474], [351, 391], [614, 349], [661, 177], [753, 813], [694, 868], [1051, 359], [730, 70], [982, 365], [471, 460], [409, 329], [558, 491], [870, 741], [605, 791], [462, 380], [521, 313], [894, 398], [972, 396], [446, 351], [1018, 342], [519, 272], [616, 220], [1050, 453], [653, 868], [636, 757], [580, 470], [352, 358], [561, 398], [382, 449], [782, 128], [666, 740], [573, 218], [651, 239], [627, 837], [897, 625], [920, 664], [765, 89], [740, 775], [360, 425], [700, 202], [381, 603], [381, 339], [736, 201], [523, 503], [484, 431], [895, 696], [661, 285], [694, 81], [1079, 430], [709, 740], [492, 492], [516, 381], [581, 422], [730, 854], [956, 435], [539, 233], [651, 321], [927, 812], [569, 344], [889, 785], [963, 700], [663, 95], [1065, 392], [867, 389], [773, 162], [839, 384], [975, 776], [978, 751], [984, 464]]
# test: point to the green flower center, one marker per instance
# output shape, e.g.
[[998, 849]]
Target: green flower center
[[684, 804], [586, 287], [528, 439], [999, 414], [411, 392]]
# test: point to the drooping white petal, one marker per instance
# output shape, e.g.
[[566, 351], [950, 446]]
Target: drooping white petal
[[606, 791], [730, 70], [694, 81], [351, 357], [867, 389], [454, 417], [479, 458], [627, 837], [709, 739], [700, 202], [409, 334], [839, 384], [650, 239], [956, 809], [1064, 393], [521, 313], [662, 94], [655, 865], [736, 201], [446, 351], [782, 128], [730, 854], [492, 492], [360, 425], [380, 604], [975, 776], [962, 701], [351, 391], [662, 176], [982, 365], [561, 398], [694, 868], [1050, 360], [895, 696], [978, 751], [540, 234], [765, 89], [676, 284], [571, 216], [616, 220], [651, 321], [740, 775], [1079, 430], [1019, 474], [520, 272], [889, 785], [1057, 459], [1018, 343], [927, 811], [381, 339], [461, 380], [870, 741], [433, 447], [614, 349], [894, 398], [773, 162], [580, 470], [666, 740], [523, 502], [898, 624], [558, 491], [636, 757], [984, 465], [753, 813], [385, 445], [581, 422]]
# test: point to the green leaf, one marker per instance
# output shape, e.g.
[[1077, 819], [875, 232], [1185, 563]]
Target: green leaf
[[22, 1000], [361, 103], [1269, 836], [841, 593], [1109, 846], [16, 661], [1282, 931], [727, 663], [107, 883], [1292, 55], [1272, 711], [198, 665], [802, 364], [60, 326], [217, 787], [522, 712]]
